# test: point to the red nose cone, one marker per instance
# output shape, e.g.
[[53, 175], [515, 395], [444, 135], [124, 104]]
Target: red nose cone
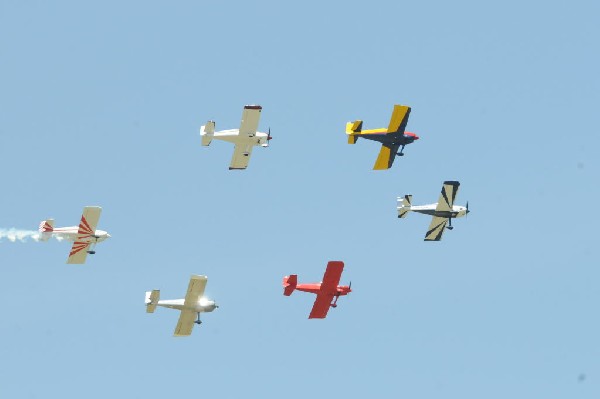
[[414, 136]]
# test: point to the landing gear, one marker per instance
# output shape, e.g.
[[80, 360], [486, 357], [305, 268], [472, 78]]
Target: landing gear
[[198, 321], [334, 303], [401, 153], [92, 248], [449, 227]]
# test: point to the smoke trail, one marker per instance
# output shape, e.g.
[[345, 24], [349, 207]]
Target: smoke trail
[[14, 235]]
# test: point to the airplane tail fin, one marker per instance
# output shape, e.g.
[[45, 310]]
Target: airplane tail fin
[[404, 205], [289, 284], [46, 228], [207, 132], [152, 298], [351, 129]]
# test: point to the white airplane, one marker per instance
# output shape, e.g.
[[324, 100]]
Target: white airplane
[[244, 138], [193, 304], [443, 211], [84, 237]]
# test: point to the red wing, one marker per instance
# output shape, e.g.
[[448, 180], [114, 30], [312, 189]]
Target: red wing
[[321, 306], [332, 276]]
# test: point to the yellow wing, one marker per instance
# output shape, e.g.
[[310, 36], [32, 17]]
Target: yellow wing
[[399, 118], [386, 157]]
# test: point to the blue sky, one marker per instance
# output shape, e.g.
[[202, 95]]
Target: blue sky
[[101, 105]]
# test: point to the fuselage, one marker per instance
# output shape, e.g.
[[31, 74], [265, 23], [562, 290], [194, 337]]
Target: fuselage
[[233, 136], [315, 288], [203, 305], [457, 211], [71, 234], [381, 136]]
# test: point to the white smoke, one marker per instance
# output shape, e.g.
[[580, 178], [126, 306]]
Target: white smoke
[[14, 235]]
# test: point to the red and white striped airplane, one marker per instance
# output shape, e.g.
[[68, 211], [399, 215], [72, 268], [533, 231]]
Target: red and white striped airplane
[[84, 237]]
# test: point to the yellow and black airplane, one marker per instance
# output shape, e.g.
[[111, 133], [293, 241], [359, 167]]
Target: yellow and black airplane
[[391, 138]]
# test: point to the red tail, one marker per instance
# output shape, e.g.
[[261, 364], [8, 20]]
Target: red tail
[[289, 284]]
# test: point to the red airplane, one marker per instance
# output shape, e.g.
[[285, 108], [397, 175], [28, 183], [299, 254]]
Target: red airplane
[[325, 290]]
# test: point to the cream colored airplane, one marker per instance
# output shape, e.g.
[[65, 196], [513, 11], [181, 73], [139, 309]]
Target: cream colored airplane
[[244, 138], [442, 211], [84, 237], [193, 304]]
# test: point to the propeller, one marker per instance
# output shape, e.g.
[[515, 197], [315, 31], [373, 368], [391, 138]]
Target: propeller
[[269, 137], [467, 208], [350, 286]]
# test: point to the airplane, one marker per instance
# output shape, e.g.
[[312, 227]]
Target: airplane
[[193, 304], [442, 211], [326, 290], [391, 138], [84, 237], [244, 138]]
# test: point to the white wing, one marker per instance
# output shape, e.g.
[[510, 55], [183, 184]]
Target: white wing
[[446, 200], [241, 156], [436, 229], [195, 290], [185, 323], [250, 118], [188, 316]]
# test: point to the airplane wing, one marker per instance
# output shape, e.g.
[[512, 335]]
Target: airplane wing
[[188, 317], [321, 306], [436, 229], [87, 228], [89, 221], [329, 285], [386, 157], [399, 119], [250, 118], [195, 290], [446, 200], [78, 253], [185, 323], [241, 156], [332, 276]]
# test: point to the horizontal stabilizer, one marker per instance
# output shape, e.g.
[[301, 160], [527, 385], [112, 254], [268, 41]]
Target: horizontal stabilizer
[[352, 128], [46, 226], [289, 284], [404, 205], [207, 132], [152, 298]]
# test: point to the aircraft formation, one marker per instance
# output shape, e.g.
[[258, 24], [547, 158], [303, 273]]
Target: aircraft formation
[[393, 140]]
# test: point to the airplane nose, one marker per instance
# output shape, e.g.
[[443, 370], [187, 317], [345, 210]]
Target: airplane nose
[[108, 235]]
